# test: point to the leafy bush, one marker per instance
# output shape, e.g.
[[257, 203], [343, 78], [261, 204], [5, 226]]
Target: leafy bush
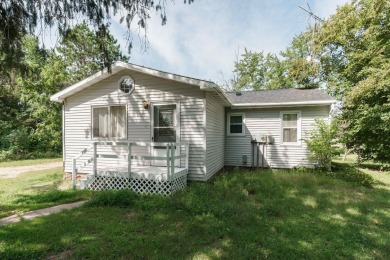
[[322, 143]]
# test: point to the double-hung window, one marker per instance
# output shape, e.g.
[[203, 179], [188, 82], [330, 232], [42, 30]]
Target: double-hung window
[[109, 122], [235, 124], [291, 127]]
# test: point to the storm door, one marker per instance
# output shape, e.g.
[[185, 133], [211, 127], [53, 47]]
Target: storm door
[[165, 129]]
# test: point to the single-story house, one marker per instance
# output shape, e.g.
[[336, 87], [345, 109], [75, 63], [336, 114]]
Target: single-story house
[[144, 125]]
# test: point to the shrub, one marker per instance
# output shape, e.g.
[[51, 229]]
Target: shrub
[[322, 142]]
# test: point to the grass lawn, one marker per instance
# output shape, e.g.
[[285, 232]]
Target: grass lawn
[[29, 162], [34, 190], [238, 215]]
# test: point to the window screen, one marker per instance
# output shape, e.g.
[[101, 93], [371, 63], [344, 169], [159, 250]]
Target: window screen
[[236, 124], [290, 128]]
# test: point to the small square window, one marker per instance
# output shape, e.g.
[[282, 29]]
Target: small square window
[[236, 124]]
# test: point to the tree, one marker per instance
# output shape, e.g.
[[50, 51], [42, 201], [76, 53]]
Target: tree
[[80, 51], [30, 124], [256, 71], [20, 17], [355, 67], [300, 61]]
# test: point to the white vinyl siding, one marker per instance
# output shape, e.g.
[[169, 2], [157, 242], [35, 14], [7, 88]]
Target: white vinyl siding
[[268, 121], [78, 109], [215, 135]]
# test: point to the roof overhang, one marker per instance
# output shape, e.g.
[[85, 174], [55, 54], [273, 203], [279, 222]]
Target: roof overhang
[[284, 104], [120, 66]]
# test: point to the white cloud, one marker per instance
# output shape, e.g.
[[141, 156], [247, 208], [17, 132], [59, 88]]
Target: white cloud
[[201, 39]]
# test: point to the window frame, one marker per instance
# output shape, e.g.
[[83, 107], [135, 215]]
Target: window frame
[[299, 128], [119, 85], [109, 122], [228, 124]]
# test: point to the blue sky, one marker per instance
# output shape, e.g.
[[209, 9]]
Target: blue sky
[[202, 40]]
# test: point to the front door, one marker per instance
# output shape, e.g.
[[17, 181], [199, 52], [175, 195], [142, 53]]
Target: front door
[[165, 129]]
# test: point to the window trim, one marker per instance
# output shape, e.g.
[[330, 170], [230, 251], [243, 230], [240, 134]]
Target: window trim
[[109, 120], [228, 124], [299, 128], [119, 84], [177, 122]]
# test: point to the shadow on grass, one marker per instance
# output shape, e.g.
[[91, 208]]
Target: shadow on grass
[[260, 214], [24, 202]]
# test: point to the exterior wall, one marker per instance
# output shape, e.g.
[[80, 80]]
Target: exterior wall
[[77, 114], [267, 121], [215, 137]]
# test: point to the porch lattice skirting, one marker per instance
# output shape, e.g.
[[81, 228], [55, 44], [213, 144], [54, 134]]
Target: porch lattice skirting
[[163, 180], [116, 181]]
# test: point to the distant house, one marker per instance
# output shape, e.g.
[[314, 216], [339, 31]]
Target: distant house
[[137, 127]]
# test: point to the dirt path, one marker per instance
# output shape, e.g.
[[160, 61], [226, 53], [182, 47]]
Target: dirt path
[[13, 172]]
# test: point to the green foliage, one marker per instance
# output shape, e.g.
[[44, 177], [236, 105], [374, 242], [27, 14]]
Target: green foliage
[[30, 123], [355, 66], [351, 174], [79, 50], [299, 59], [256, 71], [321, 143], [20, 17]]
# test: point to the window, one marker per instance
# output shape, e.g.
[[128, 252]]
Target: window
[[109, 122], [291, 127], [126, 85], [235, 124], [164, 128]]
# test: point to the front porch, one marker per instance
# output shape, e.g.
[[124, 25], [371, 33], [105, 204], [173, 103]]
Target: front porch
[[148, 173]]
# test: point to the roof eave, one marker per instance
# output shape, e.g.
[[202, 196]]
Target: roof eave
[[119, 66], [284, 104]]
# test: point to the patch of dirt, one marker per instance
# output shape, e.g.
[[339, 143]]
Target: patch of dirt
[[13, 172]]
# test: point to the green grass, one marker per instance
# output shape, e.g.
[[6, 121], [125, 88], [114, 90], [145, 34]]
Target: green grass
[[34, 190], [240, 215], [28, 162], [380, 172]]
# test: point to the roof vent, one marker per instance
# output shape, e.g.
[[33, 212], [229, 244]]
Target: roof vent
[[238, 94]]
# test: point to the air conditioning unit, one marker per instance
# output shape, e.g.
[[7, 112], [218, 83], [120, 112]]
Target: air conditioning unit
[[262, 138]]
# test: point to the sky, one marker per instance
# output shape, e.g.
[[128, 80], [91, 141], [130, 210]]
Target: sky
[[203, 39]]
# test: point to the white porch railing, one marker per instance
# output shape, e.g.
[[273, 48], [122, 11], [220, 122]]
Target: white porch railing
[[169, 158]]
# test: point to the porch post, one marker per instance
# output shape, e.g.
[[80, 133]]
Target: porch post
[[187, 154], [94, 159], [74, 172], [129, 161], [172, 160], [167, 160]]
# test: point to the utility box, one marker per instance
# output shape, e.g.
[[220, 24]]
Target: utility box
[[263, 138]]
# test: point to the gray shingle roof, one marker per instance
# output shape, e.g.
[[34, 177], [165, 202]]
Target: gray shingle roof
[[278, 96]]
